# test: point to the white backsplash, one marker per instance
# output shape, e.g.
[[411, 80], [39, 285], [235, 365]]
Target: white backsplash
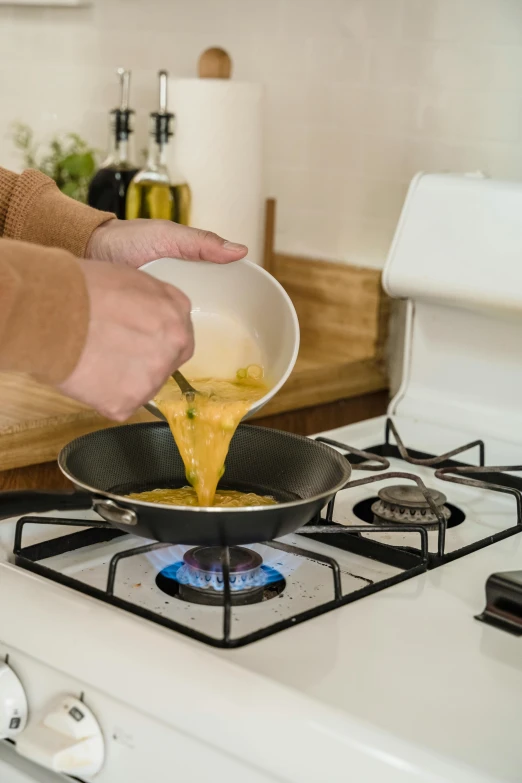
[[361, 94]]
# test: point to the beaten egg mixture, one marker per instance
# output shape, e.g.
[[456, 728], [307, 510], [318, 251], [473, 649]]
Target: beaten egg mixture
[[203, 428]]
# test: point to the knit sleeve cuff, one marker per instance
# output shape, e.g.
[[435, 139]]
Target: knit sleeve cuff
[[44, 311], [8, 182], [39, 213]]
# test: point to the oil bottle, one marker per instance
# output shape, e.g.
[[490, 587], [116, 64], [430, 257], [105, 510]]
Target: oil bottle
[[153, 193], [108, 187]]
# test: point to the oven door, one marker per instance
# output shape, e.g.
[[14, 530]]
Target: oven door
[[15, 769]]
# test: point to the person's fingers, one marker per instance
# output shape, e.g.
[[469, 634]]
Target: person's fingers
[[194, 244], [130, 349], [135, 242]]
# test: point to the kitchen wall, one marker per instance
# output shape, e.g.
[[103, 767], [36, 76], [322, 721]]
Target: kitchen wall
[[360, 94]]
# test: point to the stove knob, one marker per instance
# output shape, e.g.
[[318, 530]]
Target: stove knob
[[13, 703], [67, 739]]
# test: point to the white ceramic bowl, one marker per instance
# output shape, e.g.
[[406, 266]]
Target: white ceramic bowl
[[241, 316]]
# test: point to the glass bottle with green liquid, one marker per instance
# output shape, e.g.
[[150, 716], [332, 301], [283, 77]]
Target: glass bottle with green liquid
[[153, 193]]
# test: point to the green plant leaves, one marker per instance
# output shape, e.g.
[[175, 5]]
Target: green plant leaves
[[79, 165], [70, 189], [69, 160]]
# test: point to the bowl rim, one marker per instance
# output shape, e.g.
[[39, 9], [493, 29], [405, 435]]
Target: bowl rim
[[257, 404]]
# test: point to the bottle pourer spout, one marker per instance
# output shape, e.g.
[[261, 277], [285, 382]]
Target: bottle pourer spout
[[124, 88], [163, 76]]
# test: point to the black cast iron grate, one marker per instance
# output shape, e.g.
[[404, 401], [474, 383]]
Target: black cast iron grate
[[410, 561], [33, 557], [481, 476]]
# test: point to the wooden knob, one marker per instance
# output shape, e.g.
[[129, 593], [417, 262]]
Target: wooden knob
[[214, 63]]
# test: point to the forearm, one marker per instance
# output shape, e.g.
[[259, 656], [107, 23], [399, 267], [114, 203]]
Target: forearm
[[44, 305], [44, 311], [32, 209]]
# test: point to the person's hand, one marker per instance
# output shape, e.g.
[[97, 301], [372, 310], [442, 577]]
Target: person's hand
[[139, 333], [134, 242]]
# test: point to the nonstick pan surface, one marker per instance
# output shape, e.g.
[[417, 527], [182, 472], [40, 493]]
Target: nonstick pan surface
[[301, 474]]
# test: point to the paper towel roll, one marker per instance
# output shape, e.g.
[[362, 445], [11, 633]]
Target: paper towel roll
[[218, 148]]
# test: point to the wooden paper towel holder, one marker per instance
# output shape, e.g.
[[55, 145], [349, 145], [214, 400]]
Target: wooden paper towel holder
[[214, 63]]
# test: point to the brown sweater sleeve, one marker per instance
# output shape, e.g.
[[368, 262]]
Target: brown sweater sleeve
[[44, 310]]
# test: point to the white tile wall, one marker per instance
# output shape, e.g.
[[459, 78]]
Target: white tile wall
[[361, 94]]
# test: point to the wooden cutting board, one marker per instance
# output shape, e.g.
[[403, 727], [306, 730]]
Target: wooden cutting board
[[36, 421]]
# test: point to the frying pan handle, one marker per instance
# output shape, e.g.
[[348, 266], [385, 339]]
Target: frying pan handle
[[16, 504], [111, 512]]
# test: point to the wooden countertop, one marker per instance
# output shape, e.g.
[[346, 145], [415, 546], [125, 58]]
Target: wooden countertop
[[343, 316], [46, 476], [339, 376], [319, 378]]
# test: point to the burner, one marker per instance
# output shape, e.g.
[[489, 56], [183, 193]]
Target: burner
[[209, 560], [406, 504], [199, 578]]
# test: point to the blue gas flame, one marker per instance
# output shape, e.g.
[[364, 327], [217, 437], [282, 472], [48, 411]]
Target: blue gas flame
[[276, 565]]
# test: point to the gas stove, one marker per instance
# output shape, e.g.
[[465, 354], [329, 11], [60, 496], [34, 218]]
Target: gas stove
[[382, 529], [378, 642]]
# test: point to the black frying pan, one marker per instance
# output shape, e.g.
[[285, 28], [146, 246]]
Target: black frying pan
[[298, 472]]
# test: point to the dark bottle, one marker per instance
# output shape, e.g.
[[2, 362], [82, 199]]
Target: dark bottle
[[108, 187]]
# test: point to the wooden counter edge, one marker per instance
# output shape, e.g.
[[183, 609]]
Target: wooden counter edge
[[304, 390]]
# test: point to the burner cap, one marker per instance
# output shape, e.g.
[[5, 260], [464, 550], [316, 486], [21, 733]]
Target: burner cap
[[407, 504], [202, 575], [199, 578], [410, 496], [210, 559]]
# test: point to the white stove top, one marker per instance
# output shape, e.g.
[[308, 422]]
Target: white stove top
[[308, 583], [412, 659], [486, 512], [407, 672]]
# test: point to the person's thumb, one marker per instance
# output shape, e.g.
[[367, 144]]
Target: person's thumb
[[194, 244]]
